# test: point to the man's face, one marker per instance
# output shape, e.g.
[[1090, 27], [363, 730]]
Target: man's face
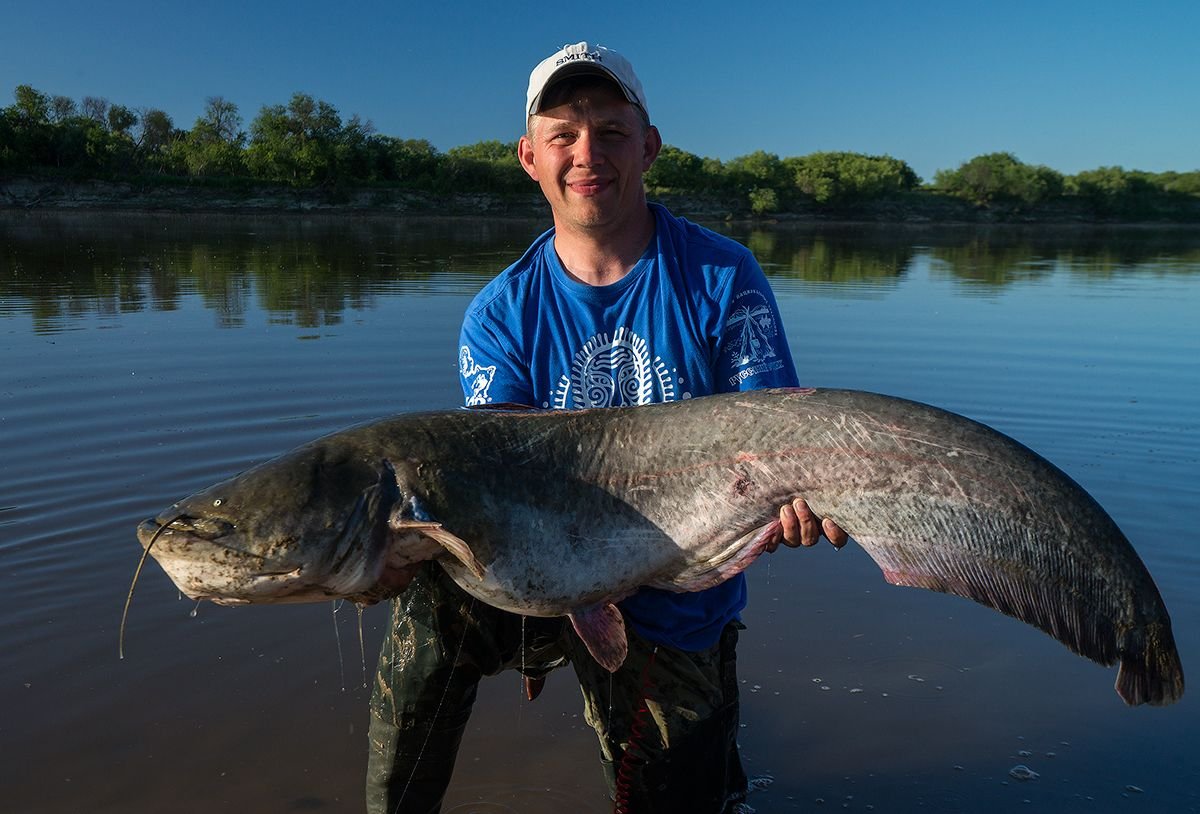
[[588, 150]]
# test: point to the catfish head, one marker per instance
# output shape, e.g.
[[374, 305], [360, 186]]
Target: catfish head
[[321, 522]]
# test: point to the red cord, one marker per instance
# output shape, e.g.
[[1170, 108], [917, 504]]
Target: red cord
[[630, 762]]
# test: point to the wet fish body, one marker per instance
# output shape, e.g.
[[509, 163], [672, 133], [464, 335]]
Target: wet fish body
[[565, 512]]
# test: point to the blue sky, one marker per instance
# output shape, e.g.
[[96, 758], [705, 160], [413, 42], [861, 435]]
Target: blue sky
[[1073, 85]]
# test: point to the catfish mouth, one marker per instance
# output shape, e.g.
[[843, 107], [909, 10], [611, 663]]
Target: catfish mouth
[[203, 528], [202, 558]]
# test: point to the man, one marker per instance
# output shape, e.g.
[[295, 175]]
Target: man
[[620, 303]]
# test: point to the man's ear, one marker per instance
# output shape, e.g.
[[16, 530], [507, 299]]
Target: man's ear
[[651, 148], [525, 156]]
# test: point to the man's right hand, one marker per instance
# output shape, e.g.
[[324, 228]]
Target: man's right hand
[[800, 527]]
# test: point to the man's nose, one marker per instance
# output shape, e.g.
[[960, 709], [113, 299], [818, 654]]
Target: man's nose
[[587, 150]]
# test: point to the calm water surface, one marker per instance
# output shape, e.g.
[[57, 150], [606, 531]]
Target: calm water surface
[[144, 357]]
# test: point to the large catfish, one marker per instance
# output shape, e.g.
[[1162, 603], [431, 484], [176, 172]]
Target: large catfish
[[553, 513]]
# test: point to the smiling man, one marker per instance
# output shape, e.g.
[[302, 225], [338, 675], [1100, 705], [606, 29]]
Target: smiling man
[[621, 303]]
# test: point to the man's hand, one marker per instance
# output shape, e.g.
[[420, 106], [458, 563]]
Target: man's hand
[[798, 526]]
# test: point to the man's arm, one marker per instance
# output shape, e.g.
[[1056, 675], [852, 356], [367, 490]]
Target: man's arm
[[753, 354]]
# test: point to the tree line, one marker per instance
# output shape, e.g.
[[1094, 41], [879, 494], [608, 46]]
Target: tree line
[[306, 143]]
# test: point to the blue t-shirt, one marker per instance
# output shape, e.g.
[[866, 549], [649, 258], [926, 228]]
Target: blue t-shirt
[[695, 316]]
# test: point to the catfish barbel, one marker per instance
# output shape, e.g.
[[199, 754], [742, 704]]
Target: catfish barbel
[[552, 513]]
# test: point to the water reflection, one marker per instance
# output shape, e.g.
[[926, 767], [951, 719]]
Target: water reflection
[[1000, 257], [64, 269], [846, 257]]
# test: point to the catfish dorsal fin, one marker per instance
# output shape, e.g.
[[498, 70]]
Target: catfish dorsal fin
[[603, 631]]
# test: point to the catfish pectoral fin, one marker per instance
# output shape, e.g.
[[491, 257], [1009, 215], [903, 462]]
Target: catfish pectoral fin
[[451, 542], [603, 631], [458, 547]]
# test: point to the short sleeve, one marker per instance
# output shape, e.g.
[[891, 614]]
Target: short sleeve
[[753, 352], [489, 366]]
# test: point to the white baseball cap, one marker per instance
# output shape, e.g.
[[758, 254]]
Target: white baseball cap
[[584, 58]]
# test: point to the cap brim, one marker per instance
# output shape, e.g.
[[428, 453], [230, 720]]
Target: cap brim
[[579, 69]]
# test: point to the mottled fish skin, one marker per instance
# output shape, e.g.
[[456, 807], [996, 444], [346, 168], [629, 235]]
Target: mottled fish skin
[[550, 512]]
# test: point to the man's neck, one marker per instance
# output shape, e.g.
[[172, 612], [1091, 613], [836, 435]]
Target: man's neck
[[604, 256]]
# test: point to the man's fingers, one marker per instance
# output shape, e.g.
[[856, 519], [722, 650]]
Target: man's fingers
[[834, 532], [789, 528], [809, 525], [798, 526]]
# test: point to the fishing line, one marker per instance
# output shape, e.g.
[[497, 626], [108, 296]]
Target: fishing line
[[362, 647], [337, 636], [433, 722], [522, 685]]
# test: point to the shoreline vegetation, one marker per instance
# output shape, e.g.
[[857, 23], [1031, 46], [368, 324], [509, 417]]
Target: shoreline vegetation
[[302, 157]]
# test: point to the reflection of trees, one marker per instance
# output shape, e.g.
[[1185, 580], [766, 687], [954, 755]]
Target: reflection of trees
[[998, 256], [832, 256], [977, 261], [308, 270], [303, 271]]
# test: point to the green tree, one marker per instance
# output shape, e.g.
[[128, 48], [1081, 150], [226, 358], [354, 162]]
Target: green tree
[[28, 137], [411, 162], [221, 121], [1000, 178], [756, 170], [82, 144], [676, 170], [297, 143], [9, 157], [213, 147], [1183, 183], [1110, 184], [758, 178], [121, 119], [763, 201], [488, 166], [32, 106], [156, 132], [842, 177]]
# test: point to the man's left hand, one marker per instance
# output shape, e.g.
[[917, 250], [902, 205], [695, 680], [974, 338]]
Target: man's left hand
[[800, 527]]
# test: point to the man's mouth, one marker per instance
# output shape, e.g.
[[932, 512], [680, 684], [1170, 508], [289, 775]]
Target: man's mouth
[[589, 186]]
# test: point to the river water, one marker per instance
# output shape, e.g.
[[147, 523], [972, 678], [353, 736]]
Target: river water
[[144, 357]]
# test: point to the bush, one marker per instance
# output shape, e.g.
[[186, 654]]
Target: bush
[[839, 177], [1000, 178]]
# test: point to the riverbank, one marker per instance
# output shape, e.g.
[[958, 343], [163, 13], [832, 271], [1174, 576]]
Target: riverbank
[[26, 193]]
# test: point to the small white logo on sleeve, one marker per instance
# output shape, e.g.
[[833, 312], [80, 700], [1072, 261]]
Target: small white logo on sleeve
[[478, 378]]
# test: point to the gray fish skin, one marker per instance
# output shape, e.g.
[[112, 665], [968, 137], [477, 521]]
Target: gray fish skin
[[556, 512]]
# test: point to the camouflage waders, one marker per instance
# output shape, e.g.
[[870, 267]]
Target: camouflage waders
[[442, 642]]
